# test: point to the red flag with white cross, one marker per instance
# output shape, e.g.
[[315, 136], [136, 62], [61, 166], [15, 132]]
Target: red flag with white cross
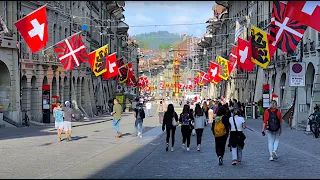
[[112, 67], [34, 29], [305, 12], [233, 59], [71, 52], [244, 55], [213, 73], [130, 71], [203, 78]]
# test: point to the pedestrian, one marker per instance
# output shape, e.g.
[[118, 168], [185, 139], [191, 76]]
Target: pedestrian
[[237, 137], [139, 115], [165, 106], [148, 107], [160, 112], [185, 120], [205, 109], [58, 117], [170, 121], [193, 132], [220, 130], [68, 114], [210, 113], [272, 122], [116, 113], [199, 123], [134, 103]]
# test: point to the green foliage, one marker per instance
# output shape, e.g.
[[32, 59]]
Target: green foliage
[[157, 40], [260, 107]]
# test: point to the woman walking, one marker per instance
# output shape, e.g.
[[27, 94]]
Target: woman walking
[[58, 116], [205, 110], [220, 130], [170, 121], [237, 137], [161, 112], [199, 124], [185, 120], [139, 115]]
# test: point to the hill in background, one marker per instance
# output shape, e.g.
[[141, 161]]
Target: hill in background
[[157, 40]]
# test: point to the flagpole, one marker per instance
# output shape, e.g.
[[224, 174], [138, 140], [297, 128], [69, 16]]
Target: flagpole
[[70, 82], [19, 58], [61, 40]]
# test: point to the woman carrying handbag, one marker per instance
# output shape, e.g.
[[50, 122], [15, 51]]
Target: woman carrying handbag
[[236, 136], [170, 121]]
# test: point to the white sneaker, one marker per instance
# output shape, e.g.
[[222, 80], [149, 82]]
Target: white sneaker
[[183, 146], [188, 149], [271, 158], [274, 155], [198, 147], [172, 149], [140, 135]]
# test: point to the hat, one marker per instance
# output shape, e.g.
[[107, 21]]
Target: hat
[[67, 103]]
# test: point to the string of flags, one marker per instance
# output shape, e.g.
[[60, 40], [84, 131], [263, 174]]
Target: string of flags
[[288, 24]]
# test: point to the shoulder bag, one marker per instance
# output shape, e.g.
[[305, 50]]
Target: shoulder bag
[[174, 122], [240, 137]]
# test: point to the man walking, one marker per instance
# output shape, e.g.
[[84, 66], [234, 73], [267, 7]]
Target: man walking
[[58, 116], [148, 107], [117, 110], [272, 121], [68, 114]]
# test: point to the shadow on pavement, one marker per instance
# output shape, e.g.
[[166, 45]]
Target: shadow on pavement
[[76, 138], [15, 133]]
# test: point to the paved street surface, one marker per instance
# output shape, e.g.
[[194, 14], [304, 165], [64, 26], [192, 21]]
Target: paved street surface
[[35, 152]]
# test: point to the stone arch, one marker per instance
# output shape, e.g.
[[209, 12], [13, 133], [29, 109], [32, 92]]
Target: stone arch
[[4, 75], [24, 93], [83, 90], [54, 86], [60, 89], [34, 97], [309, 82], [78, 95], [66, 89], [282, 87], [45, 80]]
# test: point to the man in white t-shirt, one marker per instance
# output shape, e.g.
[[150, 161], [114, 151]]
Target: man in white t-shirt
[[148, 107]]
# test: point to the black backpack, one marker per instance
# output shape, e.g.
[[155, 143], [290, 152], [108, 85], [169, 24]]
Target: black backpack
[[140, 114], [273, 121]]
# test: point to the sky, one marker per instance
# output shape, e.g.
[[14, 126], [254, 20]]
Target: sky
[[168, 12]]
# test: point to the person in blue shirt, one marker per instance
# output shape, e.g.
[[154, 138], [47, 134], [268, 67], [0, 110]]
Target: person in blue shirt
[[58, 116]]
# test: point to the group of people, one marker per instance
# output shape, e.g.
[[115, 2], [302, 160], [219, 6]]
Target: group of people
[[226, 123], [63, 117]]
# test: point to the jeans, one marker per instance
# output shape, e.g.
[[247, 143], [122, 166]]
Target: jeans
[[116, 125], [199, 135], [273, 141], [237, 153], [138, 125], [221, 145], [148, 112], [173, 131], [186, 134]]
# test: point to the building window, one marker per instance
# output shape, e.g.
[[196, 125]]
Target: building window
[[60, 33], [54, 34], [65, 32]]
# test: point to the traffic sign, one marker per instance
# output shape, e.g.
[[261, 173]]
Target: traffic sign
[[297, 68], [297, 80]]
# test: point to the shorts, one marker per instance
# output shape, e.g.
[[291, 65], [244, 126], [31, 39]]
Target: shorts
[[67, 125], [58, 125]]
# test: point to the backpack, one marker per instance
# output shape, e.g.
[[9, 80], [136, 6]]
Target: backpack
[[219, 128], [273, 121], [140, 114]]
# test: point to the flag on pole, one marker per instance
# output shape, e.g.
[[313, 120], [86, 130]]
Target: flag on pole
[[71, 52], [34, 29], [112, 67], [98, 60], [238, 32], [224, 69]]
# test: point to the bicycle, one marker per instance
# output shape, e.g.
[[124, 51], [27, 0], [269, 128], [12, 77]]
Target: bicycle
[[26, 118], [314, 125]]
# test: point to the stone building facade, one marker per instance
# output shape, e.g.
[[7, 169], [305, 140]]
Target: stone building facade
[[104, 21], [247, 86]]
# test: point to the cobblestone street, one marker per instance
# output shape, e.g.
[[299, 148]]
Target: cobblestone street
[[96, 153]]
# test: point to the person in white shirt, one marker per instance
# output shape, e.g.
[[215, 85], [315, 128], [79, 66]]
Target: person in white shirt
[[161, 112], [148, 107], [237, 137]]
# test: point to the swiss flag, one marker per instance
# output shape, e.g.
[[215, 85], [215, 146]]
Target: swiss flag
[[34, 29], [213, 73], [233, 59], [306, 12], [141, 82], [112, 67], [244, 55]]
